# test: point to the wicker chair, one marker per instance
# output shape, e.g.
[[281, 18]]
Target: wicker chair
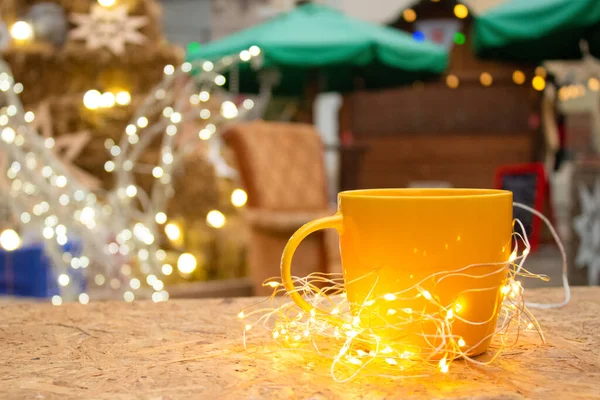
[[281, 166]]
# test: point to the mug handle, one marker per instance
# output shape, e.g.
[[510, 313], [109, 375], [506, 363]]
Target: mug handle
[[334, 221]]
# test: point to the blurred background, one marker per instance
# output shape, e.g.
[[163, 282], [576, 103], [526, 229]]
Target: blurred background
[[197, 135]]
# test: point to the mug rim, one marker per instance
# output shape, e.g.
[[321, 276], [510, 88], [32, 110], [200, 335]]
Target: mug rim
[[424, 193]]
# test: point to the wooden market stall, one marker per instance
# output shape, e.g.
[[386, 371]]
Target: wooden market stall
[[457, 129]]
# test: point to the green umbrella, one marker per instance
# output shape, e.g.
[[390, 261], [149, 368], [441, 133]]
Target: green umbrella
[[315, 37], [536, 30]]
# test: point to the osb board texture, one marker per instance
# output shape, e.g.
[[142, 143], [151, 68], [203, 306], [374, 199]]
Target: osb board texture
[[193, 349]]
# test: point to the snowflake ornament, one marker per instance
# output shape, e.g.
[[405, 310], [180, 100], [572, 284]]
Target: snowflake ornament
[[587, 226], [110, 28]]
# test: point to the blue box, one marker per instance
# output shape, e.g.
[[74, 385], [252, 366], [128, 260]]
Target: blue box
[[28, 272]]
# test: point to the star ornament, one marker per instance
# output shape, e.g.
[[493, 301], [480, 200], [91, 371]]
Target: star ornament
[[587, 226], [67, 147], [109, 28]]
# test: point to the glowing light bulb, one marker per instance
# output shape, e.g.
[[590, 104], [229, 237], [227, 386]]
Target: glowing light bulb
[[107, 100], [21, 30], [107, 3], [160, 217], [229, 110], [142, 122], [518, 77], [215, 218], [167, 269], [461, 342], [594, 84], [486, 79], [10, 240], [426, 294], [245, 55], [169, 69], [99, 280], [239, 198], [172, 231], [92, 99], [157, 172], [391, 361], [208, 66], [461, 11], [389, 296], [56, 300], [63, 279], [84, 298], [409, 15], [538, 83], [219, 80], [204, 96], [128, 296], [131, 191], [123, 98], [135, 283], [205, 114], [273, 284], [248, 104], [109, 166], [186, 263], [450, 314], [452, 81], [8, 134], [254, 51]]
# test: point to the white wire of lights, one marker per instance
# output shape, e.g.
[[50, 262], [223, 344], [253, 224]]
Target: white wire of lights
[[110, 226]]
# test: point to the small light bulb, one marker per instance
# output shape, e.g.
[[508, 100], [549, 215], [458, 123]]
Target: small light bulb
[[389, 296], [172, 231], [128, 296], [157, 172], [254, 51], [107, 3], [21, 30], [10, 240], [220, 80], [131, 191], [84, 298], [229, 110], [107, 100], [123, 98], [215, 218], [142, 122], [167, 269], [208, 66], [56, 300], [248, 104], [8, 134], [169, 69], [92, 99], [204, 96], [160, 218], [245, 55], [186, 263], [63, 279]]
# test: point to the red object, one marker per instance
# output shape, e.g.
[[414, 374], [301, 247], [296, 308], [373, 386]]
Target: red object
[[347, 138], [542, 193]]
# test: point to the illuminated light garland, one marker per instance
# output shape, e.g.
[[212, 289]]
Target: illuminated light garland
[[353, 346], [45, 196]]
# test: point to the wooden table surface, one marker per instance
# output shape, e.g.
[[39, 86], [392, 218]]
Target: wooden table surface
[[193, 349]]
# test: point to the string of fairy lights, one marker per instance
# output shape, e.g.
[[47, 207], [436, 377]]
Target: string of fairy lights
[[117, 232], [486, 79], [407, 333]]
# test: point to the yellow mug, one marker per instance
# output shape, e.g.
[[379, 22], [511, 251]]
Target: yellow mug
[[413, 252]]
